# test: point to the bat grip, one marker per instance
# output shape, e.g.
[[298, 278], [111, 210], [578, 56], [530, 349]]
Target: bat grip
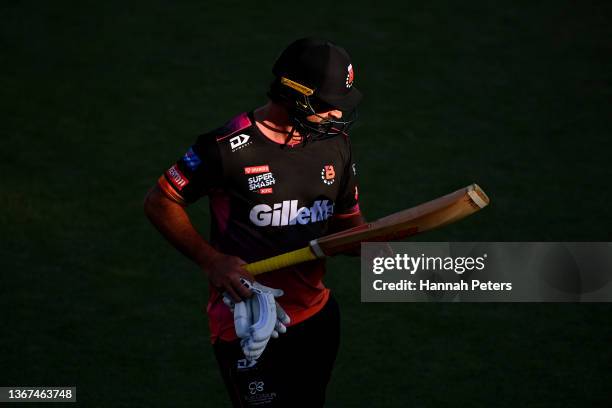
[[281, 261]]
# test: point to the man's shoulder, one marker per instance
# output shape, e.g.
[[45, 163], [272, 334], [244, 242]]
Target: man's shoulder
[[229, 129]]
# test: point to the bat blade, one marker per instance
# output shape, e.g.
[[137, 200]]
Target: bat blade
[[427, 216]]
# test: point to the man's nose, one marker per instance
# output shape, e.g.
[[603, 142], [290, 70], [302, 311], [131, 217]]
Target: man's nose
[[336, 114]]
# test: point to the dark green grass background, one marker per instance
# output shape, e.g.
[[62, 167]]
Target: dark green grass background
[[98, 98]]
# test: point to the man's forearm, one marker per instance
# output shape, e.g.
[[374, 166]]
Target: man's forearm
[[172, 221]]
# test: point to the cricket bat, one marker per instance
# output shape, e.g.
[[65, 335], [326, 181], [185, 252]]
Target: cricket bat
[[424, 217]]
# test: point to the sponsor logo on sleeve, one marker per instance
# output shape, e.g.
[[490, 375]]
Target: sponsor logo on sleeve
[[328, 174], [178, 180], [289, 213], [191, 159], [239, 142]]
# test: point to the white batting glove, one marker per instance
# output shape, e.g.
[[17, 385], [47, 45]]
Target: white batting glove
[[282, 318], [258, 318]]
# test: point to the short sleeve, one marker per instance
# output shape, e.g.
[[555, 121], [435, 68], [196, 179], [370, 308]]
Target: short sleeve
[[348, 196], [197, 173]]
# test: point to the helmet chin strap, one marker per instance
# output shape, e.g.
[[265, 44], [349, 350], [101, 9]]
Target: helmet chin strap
[[304, 134], [290, 135]]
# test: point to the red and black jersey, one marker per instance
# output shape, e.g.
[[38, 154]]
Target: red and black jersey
[[266, 198]]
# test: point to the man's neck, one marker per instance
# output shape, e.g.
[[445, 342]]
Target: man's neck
[[273, 121]]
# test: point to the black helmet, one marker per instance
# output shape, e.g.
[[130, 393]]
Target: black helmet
[[313, 76]]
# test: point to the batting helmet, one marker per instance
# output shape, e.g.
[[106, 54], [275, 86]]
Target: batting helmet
[[314, 76]]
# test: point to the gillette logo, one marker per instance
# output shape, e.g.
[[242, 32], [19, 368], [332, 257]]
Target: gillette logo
[[288, 213]]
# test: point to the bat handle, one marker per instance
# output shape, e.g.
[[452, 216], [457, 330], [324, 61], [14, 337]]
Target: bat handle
[[281, 261]]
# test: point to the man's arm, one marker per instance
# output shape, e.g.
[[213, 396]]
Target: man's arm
[[172, 221]]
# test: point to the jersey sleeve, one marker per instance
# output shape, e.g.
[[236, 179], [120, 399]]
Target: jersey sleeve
[[347, 202], [198, 172]]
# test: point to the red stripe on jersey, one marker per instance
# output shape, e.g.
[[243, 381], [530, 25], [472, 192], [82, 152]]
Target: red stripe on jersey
[[352, 212], [169, 191]]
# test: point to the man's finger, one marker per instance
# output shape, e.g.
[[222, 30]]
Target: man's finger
[[279, 328], [246, 275], [235, 296], [282, 316]]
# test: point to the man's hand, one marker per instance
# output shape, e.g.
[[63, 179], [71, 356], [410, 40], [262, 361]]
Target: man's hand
[[225, 271]]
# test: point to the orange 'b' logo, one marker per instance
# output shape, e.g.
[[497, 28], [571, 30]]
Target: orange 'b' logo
[[328, 174]]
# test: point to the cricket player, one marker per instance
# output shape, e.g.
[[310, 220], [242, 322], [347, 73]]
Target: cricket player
[[276, 177]]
